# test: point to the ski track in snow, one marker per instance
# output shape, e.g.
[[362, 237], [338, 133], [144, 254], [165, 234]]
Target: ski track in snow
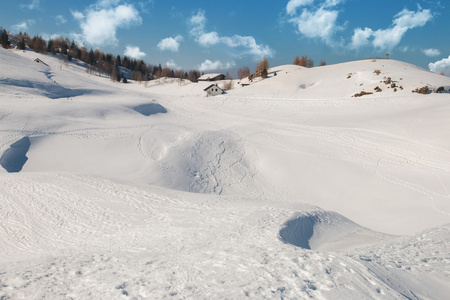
[[207, 200]]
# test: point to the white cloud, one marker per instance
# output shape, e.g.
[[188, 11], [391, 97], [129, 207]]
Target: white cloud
[[361, 37], [442, 65], [172, 65], [198, 22], [431, 52], [107, 3], [24, 26], [77, 15], [208, 65], [34, 4], [250, 44], [387, 39], [53, 36], [60, 19], [317, 21], [170, 43], [208, 39], [134, 52], [291, 7], [19, 27], [99, 23], [321, 23], [331, 3], [143, 5], [410, 19]]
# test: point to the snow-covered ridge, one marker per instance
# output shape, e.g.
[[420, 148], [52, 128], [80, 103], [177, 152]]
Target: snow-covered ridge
[[286, 188]]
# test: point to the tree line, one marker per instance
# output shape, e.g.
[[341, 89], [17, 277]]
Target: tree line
[[97, 60], [108, 64]]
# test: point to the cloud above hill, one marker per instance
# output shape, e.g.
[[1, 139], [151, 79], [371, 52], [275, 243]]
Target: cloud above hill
[[23, 26], [403, 21], [99, 22], [431, 52], [170, 43], [209, 65], [317, 20], [442, 65], [246, 44], [172, 65], [389, 38], [134, 52]]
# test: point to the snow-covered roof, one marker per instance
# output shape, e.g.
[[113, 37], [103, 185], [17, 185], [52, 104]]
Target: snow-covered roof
[[209, 76], [210, 86]]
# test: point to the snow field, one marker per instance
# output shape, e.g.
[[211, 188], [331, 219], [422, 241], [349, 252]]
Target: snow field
[[100, 208]]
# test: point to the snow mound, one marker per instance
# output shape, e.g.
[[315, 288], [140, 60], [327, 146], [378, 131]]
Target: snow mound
[[326, 231], [377, 78]]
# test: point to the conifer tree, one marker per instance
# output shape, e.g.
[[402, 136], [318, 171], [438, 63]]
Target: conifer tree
[[21, 44], [4, 39]]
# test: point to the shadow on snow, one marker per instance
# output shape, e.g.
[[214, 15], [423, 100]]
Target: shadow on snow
[[15, 157]]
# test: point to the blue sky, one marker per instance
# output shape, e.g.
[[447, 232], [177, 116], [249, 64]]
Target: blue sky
[[226, 35]]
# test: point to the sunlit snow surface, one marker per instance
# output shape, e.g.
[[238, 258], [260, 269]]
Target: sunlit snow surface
[[287, 188]]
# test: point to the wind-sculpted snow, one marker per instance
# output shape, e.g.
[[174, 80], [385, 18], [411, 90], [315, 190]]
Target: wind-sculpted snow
[[324, 230], [14, 158], [208, 162], [48, 88]]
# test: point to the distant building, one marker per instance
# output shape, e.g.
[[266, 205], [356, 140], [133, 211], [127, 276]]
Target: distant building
[[213, 90], [211, 77]]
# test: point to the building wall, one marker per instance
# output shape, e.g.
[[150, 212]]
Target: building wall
[[213, 91]]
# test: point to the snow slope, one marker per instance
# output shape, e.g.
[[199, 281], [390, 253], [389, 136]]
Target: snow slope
[[296, 188]]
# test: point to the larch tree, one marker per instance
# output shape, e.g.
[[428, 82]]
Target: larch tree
[[243, 72], [263, 64], [302, 61]]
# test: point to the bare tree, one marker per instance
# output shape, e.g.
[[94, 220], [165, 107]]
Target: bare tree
[[323, 63], [228, 85], [193, 75], [243, 72], [166, 72]]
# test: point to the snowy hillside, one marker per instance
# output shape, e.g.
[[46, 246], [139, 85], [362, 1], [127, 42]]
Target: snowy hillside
[[289, 187]]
